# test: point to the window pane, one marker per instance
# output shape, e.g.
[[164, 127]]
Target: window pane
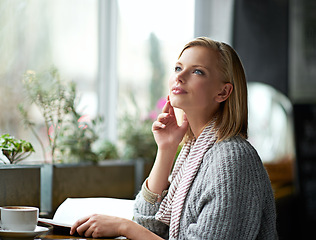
[[36, 35], [151, 35]]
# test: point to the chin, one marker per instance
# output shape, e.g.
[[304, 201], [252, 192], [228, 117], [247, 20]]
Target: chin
[[176, 104]]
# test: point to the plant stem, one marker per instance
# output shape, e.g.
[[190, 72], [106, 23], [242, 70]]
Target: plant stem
[[39, 140], [22, 157]]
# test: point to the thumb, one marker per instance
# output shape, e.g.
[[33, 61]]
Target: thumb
[[185, 122]]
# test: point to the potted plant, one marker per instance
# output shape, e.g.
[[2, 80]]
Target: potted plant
[[20, 184], [14, 150], [70, 135], [74, 144], [107, 150], [135, 131]]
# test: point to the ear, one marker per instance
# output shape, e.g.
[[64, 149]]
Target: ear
[[224, 93]]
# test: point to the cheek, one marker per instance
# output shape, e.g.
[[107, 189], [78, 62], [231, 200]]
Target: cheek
[[171, 81], [205, 93], [201, 87]]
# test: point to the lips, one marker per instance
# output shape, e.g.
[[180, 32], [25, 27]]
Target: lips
[[178, 90]]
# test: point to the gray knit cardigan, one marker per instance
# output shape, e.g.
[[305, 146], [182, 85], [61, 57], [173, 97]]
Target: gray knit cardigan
[[230, 198]]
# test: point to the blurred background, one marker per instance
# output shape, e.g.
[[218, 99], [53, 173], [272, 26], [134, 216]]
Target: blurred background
[[120, 53]]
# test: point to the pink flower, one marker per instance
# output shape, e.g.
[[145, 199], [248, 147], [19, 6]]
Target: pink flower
[[51, 131], [161, 103], [84, 119], [152, 115], [83, 126]]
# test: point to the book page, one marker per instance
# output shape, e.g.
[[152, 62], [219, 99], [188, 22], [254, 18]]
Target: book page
[[73, 209]]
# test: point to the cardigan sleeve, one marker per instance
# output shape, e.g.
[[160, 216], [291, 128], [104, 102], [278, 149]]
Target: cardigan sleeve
[[144, 214]]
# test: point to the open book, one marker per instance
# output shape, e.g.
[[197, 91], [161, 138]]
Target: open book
[[73, 209]]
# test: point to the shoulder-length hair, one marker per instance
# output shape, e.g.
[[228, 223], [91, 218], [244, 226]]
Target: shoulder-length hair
[[232, 117]]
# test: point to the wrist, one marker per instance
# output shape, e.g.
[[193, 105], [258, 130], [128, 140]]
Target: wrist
[[170, 147], [124, 227], [132, 230], [150, 196]]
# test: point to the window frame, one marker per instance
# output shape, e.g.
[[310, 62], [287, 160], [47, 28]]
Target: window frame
[[107, 67]]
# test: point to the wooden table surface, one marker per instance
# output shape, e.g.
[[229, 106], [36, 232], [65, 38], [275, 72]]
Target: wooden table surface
[[51, 234]]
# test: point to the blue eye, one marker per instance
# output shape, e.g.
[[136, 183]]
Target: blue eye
[[177, 69], [198, 72]]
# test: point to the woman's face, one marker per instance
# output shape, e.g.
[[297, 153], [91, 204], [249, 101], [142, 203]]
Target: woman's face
[[195, 84]]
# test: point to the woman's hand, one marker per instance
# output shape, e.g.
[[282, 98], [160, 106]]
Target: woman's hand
[[168, 135], [166, 130], [98, 225]]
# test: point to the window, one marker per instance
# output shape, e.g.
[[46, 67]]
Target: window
[[36, 35], [151, 34]]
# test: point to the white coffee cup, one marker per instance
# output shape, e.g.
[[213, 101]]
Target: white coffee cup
[[19, 218]]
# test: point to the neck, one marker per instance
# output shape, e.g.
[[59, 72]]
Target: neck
[[198, 118], [197, 124]]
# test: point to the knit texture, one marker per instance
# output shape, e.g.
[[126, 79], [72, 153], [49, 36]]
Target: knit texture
[[230, 198]]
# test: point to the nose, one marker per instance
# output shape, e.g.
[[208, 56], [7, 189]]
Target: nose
[[180, 77]]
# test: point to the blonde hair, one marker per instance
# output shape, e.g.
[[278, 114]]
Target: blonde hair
[[232, 117]]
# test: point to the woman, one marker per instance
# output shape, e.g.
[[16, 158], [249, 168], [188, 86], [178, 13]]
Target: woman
[[218, 188]]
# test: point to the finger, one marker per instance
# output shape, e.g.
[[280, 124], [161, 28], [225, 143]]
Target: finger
[[158, 125], [185, 118], [82, 229], [171, 110], [166, 118], [166, 108], [78, 223], [162, 116], [89, 231], [185, 122]]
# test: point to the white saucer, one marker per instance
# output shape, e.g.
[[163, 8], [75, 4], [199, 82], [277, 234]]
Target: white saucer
[[23, 234]]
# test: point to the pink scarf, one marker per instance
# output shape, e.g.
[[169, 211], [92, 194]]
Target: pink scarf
[[182, 176]]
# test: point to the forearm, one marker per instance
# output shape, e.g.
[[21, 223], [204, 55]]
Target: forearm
[[132, 230], [168, 134], [158, 177], [144, 215]]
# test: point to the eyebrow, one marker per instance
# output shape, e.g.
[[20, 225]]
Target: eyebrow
[[200, 66], [197, 65]]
